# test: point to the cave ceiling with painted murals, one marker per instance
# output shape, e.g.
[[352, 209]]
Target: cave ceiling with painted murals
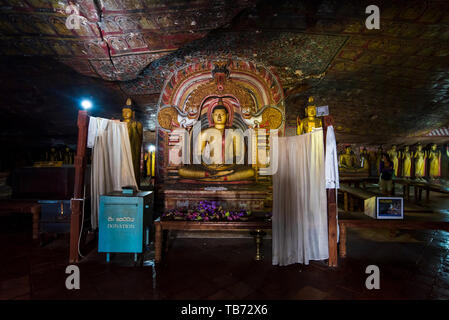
[[380, 85]]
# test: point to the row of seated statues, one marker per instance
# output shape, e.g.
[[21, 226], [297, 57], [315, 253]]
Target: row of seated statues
[[64, 154], [407, 163]]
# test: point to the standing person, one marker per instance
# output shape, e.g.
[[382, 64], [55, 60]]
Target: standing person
[[386, 174]]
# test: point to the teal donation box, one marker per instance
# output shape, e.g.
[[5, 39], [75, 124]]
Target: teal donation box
[[125, 221]]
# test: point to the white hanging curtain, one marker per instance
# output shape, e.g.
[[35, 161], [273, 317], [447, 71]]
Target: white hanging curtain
[[112, 166], [331, 165], [299, 201]]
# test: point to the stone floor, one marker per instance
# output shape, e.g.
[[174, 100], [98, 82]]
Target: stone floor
[[413, 265]]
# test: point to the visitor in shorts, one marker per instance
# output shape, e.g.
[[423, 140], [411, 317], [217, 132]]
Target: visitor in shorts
[[386, 175]]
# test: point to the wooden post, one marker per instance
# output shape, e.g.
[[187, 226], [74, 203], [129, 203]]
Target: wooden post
[[158, 242], [80, 167], [342, 241], [408, 192], [346, 201], [331, 210], [36, 211]]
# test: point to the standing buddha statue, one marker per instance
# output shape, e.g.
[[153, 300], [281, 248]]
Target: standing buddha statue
[[135, 133], [434, 162], [53, 155], [68, 156], [406, 158], [364, 158], [420, 161], [311, 122], [379, 159], [393, 153]]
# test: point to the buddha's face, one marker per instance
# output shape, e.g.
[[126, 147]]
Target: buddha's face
[[127, 113], [311, 111], [348, 150], [219, 116], [419, 147], [434, 147], [407, 148], [393, 148]]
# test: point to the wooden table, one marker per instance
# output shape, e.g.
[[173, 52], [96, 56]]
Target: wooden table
[[351, 193], [163, 226], [419, 186], [386, 224], [18, 206]]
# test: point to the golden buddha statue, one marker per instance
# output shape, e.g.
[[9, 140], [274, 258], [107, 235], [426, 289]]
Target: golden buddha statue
[[379, 159], [434, 156], [68, 156], [347, 160], [311, 122], [217, 170], [364, 159], [406, 157], [147, 164], [420, 161], [135, 132], [53, 155], [394, 156]]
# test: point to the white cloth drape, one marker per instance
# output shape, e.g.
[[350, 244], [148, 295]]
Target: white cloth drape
[[331, 160], [112, 166], [331, 165], [299, 201]]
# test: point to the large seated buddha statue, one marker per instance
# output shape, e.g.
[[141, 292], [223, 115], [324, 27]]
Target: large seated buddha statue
[[348, 162], [214, 167]]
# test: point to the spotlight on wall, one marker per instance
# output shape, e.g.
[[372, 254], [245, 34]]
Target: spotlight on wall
[[86, 104], [151, 148]]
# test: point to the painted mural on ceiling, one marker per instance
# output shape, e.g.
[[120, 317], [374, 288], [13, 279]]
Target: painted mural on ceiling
[[294, 56], [379, 84], [115, 39]]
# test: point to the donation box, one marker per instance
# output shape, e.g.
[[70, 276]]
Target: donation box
[[124, 221]]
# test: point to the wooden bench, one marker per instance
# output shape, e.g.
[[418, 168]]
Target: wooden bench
[[418, 187], [17, 206], [351, 193], [162, 227], [405, 224]]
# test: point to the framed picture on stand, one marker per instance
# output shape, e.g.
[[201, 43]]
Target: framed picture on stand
[[390, 208]]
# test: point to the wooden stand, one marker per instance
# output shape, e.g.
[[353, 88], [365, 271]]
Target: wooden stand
[[162, 227], [80, 167]]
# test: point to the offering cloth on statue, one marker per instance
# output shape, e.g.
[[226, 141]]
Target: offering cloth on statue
[[112, 166], [299, 219]]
